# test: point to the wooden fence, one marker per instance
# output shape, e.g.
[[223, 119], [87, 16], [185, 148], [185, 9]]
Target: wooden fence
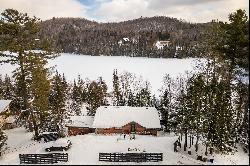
[[130, 157], [49, 158]]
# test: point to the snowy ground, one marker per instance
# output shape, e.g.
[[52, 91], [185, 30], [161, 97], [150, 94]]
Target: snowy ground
[[85, 149], [239, 157]]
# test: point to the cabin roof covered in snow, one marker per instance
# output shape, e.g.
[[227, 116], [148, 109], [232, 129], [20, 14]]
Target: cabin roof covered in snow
[[4, 104], [81, 121], [118, 116]]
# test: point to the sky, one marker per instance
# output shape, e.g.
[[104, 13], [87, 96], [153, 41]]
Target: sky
[[198, 11]]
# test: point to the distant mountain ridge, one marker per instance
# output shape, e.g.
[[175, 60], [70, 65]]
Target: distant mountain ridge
[[82, 36]]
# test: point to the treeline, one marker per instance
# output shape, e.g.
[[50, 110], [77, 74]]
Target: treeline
[[63, 99], [208, 108], [81, 36], [213, 106], [67, 98]]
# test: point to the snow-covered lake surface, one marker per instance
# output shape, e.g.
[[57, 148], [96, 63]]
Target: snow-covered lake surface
[[92, 67]]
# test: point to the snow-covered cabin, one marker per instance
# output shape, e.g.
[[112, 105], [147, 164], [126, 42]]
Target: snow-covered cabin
[[125, 119], [9, 123], [4, 108], [80, 125], [161, 44]]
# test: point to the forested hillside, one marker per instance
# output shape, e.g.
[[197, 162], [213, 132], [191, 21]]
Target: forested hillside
[[81, 36]]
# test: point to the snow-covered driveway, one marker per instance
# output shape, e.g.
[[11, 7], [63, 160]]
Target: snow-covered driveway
[[86, 148]]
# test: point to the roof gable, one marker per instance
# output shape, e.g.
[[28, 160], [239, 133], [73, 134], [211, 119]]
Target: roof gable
[[4, 104]]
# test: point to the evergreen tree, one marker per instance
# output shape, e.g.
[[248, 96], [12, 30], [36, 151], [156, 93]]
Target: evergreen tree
[[39, 89], [164, 109], [182, 119], [3, 139], [97, 93], [195, 106], [242, 113], [154, 102], [116, 89], [7, 90], [228, 48], [76, 97], [143, 98], [18, 35], [233, 43], [165, 103], [57, 98], [131, 100]]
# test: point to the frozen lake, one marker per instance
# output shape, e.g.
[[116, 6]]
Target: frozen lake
[[92, 67]]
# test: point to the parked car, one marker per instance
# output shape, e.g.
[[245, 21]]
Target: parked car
[[59, 145]]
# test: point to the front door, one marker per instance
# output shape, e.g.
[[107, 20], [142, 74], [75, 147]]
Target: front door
[[133, 129]]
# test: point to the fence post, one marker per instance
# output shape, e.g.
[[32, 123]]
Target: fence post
[[20, 158], [67, 157]]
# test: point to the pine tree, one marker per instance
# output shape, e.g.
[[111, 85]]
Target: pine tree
[[228, 47], [7, 88], [195, 106], [3, 139], [182, 119], [242, 113], [39, 89], [131, 99], [154, 102], [165, 108], [233, 44], [97, 93], [19, 36], [116, 90], [143, 98], [57, 98], [76, 97], [180, 107]]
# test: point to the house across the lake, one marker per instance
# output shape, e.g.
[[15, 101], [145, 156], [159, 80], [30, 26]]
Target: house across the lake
[[80, 125], [124, 41], [162, 43], [124, 119]]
